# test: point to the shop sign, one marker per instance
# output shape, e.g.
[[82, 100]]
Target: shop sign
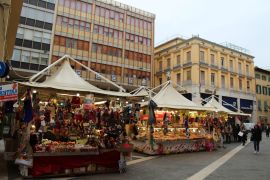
[[9, 92], [230, 103], [246, 105]]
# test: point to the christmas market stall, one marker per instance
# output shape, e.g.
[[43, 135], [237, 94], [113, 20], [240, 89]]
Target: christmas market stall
[[172, 124], [62, 132]]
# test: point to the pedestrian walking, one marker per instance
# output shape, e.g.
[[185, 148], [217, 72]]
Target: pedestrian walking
[[267, 130], [256, 137]]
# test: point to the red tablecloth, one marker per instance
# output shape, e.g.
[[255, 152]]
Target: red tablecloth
[[49, 164]]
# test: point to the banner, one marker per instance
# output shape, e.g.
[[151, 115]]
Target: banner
[[9, 92]]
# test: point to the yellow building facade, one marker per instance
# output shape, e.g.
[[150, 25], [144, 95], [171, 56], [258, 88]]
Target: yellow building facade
[[262, 77], [202, 68]]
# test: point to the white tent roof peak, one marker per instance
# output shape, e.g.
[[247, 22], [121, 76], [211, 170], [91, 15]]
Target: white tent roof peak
[[213, 103], [169, 97], [66, 76]]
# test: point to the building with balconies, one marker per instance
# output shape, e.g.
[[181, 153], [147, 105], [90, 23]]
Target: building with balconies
[[204, 68], [262, 77]]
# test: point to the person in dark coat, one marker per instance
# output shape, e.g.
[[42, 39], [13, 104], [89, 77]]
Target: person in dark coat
[[267, 130], [256, 137]]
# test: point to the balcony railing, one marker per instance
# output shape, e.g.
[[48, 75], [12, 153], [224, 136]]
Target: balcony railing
[[187, 64], [224, 69], [203, 63], [214, 66], [178, 66]]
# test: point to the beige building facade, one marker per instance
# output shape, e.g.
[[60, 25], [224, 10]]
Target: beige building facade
[[114, 39], [203, 68], [262, 77]]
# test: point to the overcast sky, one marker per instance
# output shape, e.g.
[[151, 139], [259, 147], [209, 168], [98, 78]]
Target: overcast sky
[[245, 23]]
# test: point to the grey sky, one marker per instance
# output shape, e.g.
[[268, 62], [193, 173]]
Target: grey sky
[[245, 23]]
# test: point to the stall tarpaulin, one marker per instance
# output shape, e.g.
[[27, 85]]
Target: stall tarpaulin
[[65, 78], [9, 92]]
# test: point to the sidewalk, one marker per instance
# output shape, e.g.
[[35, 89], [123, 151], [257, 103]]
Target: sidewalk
[[246, 165], [3, 165]]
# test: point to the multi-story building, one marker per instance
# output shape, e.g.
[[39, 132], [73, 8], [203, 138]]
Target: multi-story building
[[113, 39], [262, 77], [33, 40], [203, 68]]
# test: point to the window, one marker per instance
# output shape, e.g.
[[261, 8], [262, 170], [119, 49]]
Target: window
[[178, 78], [264, 90], [202, 77], [212, 56], [257, 76], [265, 106], [71, 43], [178, 60], [258, 89], [222, 81], [95, 29], [160, 65], [268, 79], [201, 56], [35, 58], [26, 56], [231, 65], [168, 63], [16, 55], [240, 68], [240, 85], [222, 62], [247, 69], [212, 79], [259, 105], [188, 56], [44, 61], [268, 91], [189, 75], [231, 82], [248, 86], [263, 77]]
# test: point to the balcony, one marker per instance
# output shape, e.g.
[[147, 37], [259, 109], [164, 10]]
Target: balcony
[[187, 64], [177, 67], [214, 66], [203, 63], [223, 69]]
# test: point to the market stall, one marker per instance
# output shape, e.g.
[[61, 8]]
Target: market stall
[[57, 121], [177, 125]]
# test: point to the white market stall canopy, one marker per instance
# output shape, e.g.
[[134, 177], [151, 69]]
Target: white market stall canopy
[[141, 91], [169, 97], [213, 103], [65, 78]]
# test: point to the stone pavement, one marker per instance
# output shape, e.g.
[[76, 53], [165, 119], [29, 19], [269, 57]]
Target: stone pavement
[[233, 162], [246, 165]]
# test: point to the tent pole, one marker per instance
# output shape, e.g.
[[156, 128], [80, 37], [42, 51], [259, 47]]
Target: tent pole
[[47, 68], [102, 77]]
